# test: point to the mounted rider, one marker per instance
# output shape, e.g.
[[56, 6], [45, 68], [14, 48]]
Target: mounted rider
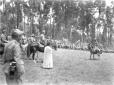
[[42, 38], [24, 39], [96, 46], [32, 39]]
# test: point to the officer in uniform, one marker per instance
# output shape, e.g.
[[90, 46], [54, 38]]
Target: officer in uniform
[[12, 52]]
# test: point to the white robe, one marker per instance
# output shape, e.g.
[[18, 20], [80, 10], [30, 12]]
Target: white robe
[[48, 58]]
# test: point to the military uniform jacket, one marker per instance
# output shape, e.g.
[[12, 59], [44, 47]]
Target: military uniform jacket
[[13, 51]]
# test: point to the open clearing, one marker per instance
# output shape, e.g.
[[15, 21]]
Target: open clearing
[[71, 67]]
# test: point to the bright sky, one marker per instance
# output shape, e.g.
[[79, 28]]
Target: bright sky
[[108, 2]]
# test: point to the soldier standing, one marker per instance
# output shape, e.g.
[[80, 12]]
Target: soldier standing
[[13, 53]]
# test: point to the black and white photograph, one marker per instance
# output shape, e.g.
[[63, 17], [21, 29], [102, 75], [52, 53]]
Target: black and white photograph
[[56, 42]]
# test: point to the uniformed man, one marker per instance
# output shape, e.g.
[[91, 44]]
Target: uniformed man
[[3, 36], [12, 52]]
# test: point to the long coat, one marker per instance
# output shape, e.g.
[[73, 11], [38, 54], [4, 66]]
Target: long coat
[[48, 58]]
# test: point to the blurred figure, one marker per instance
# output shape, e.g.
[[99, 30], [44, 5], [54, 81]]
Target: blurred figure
[[13, 64], [97, 46], [9, 38], [4, 36], [24, 44], [24, 39], [32, 39], [42, 38], [48, 57]]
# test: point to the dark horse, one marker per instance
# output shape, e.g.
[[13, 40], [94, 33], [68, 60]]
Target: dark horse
[[33, 48], [94, 51]]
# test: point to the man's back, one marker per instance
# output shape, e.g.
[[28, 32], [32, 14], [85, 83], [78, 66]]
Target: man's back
[[9, 51]]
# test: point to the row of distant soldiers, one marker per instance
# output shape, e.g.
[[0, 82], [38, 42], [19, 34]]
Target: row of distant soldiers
[[33, 39]]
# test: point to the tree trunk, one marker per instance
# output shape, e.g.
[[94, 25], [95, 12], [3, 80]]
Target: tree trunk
[[93, 32], [104, 36], [110, 36]]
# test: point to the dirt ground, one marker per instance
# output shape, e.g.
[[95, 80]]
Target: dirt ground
[[71, 67]]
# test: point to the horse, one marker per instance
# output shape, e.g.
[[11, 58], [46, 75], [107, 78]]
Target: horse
[[33, 48], [94, 51]]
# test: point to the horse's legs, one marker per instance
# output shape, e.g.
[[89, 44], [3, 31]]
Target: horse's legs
[[98, 55], [36, 56], [90, 55], [93, 56], [33, 56]]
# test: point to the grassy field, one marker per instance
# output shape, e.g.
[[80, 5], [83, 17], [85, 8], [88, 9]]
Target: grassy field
[[71, 67]]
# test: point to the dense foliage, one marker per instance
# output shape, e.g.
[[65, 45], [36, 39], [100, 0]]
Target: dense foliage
[[61, 18]]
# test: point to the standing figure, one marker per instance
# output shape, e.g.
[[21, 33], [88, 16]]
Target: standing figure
[[32, 39], [42, 38], [13, 64], [3, 36], [48, 57], [24, 44], [24, 39]]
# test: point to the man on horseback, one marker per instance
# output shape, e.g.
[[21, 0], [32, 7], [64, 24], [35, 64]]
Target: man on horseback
[[33, 47], [13, 64], [24, 39], [94, 49], [42, 38]]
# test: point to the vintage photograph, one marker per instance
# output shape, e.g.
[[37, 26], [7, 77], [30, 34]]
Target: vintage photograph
[[56, 42]]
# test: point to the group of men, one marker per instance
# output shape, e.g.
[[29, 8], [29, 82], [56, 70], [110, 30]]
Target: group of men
[[13, 53]]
